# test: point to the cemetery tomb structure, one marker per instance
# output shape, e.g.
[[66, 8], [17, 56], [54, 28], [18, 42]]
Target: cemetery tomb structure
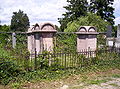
[[87, 38], [40, 38]]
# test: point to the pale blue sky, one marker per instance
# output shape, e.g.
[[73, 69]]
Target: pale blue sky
[[40, 10]]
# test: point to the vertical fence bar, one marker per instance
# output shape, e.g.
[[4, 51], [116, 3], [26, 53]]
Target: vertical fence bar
[[35, 62], [75, 60], [62, 59], [65, 60], [70, 60], [54, 58], [49, 60]]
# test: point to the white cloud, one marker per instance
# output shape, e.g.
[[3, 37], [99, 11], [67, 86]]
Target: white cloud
[[40, 10], [37, 10], [116, 5], [117, 20]]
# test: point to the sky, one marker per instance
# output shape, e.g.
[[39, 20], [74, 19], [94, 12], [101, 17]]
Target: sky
[[41, 10]]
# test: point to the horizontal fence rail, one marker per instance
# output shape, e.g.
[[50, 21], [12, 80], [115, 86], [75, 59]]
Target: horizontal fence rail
[[57, 32]]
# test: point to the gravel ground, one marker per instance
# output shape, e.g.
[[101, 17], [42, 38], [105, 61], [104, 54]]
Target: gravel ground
[[113, 83]]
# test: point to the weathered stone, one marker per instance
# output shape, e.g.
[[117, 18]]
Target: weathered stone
[[87, 38]]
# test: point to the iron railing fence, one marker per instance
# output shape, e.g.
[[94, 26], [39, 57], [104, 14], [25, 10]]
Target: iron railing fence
[[63, 60], [74, 59]]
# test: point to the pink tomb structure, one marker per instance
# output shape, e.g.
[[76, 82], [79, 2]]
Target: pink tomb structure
[[87, 38], [40, 37]]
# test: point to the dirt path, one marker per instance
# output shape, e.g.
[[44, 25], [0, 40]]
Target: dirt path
[[112, 83]]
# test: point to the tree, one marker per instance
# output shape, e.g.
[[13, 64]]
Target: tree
[[75, 9], [89, 20], [104, 9], [19, 21]]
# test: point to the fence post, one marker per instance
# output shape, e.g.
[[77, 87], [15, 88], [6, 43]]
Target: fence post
[[13, 40], [35, 62]]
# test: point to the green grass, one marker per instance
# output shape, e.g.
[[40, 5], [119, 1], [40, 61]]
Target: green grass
[[113, 84], [97, 82], [4, 53], [116, 75]]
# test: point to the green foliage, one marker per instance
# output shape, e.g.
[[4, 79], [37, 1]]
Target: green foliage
[[4, 38], [89, 20], [8, 71], [19, 56], [3, 52], [66, 43], [19, 21], [75, 9], [4, 28], [116, 75], [104, 9], [21, 42]]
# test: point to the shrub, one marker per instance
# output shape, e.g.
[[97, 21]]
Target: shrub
[[8, 71], [89, 20]]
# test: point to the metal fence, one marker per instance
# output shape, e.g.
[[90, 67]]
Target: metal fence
[[63, 60], [74, 59]]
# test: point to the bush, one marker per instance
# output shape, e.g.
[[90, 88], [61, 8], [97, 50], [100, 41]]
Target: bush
[[89, 20], [8, 71]]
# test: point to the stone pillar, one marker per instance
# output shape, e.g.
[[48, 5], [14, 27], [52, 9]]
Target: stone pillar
[[29, 40], [13, 40], [87, 38]]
